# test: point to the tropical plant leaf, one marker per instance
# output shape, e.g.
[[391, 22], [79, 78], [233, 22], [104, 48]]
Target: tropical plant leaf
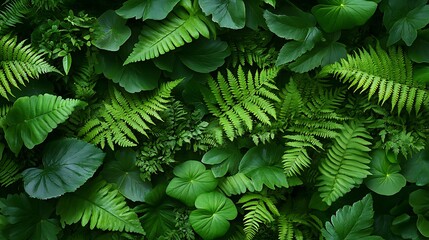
[[236, 184], [192, 179], [335, 15], [263, 164], [67, 165], [149, 9], [100, 205], [385, 178], [122, 171], [223, 159], [29, 218], [227, 13], [13, 13], [419, 47], [210, 219], [31, 119], [419, 200], [416, 169], [111, 31]]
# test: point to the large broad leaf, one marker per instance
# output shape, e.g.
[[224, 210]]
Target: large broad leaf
[[263, 164], [224, 159], [352, 222], [123, 172], [191, 180], [416, 169], [210, 219], [31, 119], [146, 9], [204, 55], [111, 31], [67, 165], [100, 205], [335, 15], [385, 179], [294, 27], [419, 200], [227, 13], [29, 218], [417, 52]]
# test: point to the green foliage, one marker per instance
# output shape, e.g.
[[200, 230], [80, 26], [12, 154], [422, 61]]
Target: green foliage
[[237, 184], [101, 205], [419, 202], [224, 159], [9, 168], [111, 31], [228, 14], [416, 168], [152, 9], [14, 13]]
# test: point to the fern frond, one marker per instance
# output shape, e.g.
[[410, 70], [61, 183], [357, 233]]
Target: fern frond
[[19, 63], [126, 112], [159, 37], [390, 74], [9, 168], [236, 184], [84, 81], [15, 11], [240, 100], [291, 102], [346, 164], [260, 210], [285, 228]]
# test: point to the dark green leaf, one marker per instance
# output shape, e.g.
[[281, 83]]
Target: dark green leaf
[[67, 165], [111, 31], [204, 55], [254, 15], [418, 51], [419, 200], [191, 180], [416, 169], [123, 172], [421, 74], [224, 159], [210, 219], [336, 15], [146, 9], [385, 179], [227, 13], [291, 27]]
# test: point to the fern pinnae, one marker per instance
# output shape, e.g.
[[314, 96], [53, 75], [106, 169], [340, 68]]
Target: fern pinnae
[[15, 11]]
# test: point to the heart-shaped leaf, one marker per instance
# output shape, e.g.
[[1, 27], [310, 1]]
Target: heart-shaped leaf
[[335, 15], [123, 172], [224, 159], [385, 179], [210, 219], [191, 180], [147, 9], [263, 164], [227, 13], [67, 165], [111, 31]]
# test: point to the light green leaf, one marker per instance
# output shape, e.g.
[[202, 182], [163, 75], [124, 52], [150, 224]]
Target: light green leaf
[[146, 9], [224, 159], [227, 13], [100, 205], [31, 119], [210, 219], [123, 172], [67, 165], [263, 164], [416, 169], [67, 62], [385, 178], [191, 180], [336, 15], [111, 31], [419, 200], [29, 218], [352, 222], [204, 55]]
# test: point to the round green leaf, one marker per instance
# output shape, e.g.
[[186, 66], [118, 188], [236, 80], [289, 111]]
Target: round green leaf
[[123, 172], [67, 165], [191, 180], [210, 219], [264, 166], [204, 55], [343, 14], [416, 169], [385, 179], [147, 9], [227, 13], [111, 31]]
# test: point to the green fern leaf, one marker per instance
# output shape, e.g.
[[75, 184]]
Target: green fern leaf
[[390, 74], [126, 112], [31, 119], [291, 101], [9, 168], [19, 63], [346, 164], [260, 210], [160, 37], [100, 205], [13, 14], [240, 100], [236, 184]]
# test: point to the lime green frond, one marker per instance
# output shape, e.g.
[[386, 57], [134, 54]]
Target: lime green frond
[[14, 12], [240, 100], [293, 226], [346, 164], [10, 169], [291, 102], [236, 184], [84, 81], [160, 37], [18, 64], [389, 74], [259, 209], [125, 113]]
